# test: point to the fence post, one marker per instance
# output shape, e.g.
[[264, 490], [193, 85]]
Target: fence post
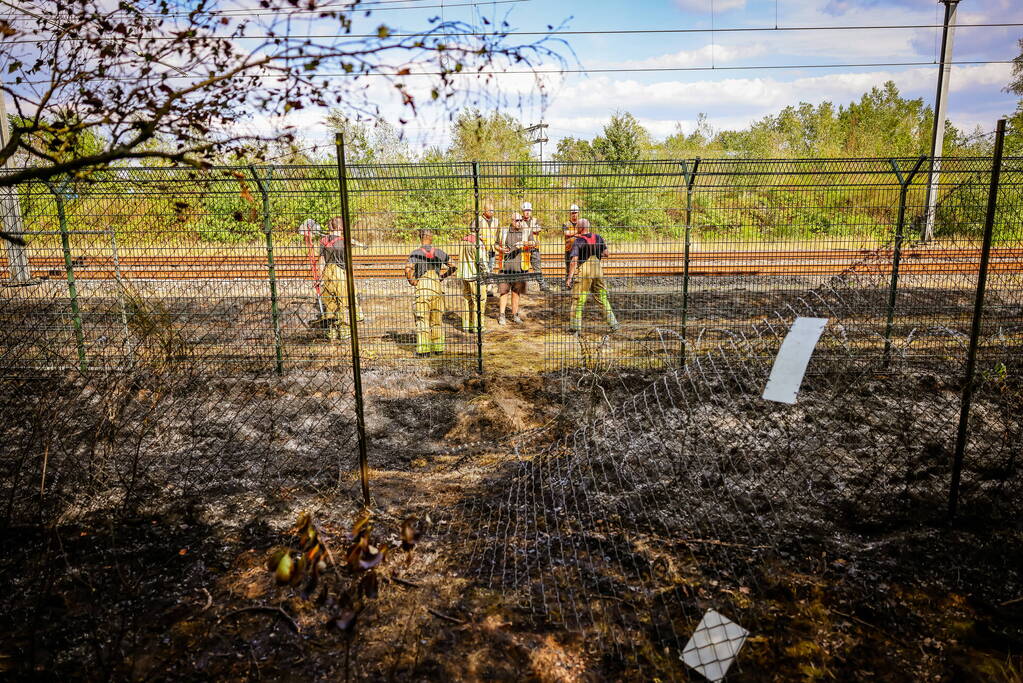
[[115, 255], [272, 271], [10, 214], [978, 313], [689, 175], [904, 182], [76, 315], [479, 271], [353, 323]]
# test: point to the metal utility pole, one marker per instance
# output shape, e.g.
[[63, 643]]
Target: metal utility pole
[[535, 135], [10, 211], [940, 105]]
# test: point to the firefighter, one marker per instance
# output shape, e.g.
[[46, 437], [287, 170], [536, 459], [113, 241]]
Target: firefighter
[[334, 282], [513, 243], [488, 228], [426, 268], [585, 275], [570, 229], [534, 228], [472, 266]]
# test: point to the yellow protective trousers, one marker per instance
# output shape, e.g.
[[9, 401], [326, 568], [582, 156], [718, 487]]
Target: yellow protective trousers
[[474, 298], [335, 297], [428, 310], [590, 278]]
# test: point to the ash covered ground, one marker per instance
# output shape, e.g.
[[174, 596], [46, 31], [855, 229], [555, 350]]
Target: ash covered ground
[[555, 555]]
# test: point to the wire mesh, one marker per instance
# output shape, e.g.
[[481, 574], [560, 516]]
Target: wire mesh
[[750, 235], [407, 323], [182, 335], [695, 494], [154, 351]]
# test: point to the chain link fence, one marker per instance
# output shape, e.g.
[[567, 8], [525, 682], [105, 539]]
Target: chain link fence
[[168, 333], [696, 498], [164, 344]]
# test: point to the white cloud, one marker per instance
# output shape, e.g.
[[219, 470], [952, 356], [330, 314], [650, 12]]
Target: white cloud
[[703, 56], [583, 107], [705, 5]]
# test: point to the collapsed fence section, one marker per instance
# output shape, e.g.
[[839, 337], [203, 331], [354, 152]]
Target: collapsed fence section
[[697, 494]]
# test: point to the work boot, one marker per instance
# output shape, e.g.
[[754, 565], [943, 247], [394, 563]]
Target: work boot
[[544, 287]]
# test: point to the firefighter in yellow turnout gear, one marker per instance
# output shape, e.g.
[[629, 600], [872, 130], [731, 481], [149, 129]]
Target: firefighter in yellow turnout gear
[[334, 282], [472, 265], [426, 268], [588, 249]]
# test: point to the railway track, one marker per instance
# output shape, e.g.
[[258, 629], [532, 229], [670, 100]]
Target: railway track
[[933, 260]]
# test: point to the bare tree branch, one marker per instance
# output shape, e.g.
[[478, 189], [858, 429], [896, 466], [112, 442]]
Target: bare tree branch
[[157, 80]]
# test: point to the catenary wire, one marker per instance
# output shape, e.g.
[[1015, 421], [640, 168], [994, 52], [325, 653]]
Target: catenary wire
[[559, 32], [746, 67]]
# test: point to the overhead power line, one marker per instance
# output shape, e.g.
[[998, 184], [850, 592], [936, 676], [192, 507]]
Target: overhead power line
[[339, 6], [556, 32], [749, 67]]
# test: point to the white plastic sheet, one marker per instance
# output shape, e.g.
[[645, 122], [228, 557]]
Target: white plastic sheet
[[793, 357], [714, 646]]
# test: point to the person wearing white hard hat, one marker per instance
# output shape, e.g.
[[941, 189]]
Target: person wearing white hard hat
[[512, 249], [533, 228], [586, 276]]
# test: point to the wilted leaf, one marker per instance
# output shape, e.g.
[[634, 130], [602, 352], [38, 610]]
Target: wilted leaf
[[348, 612], [356, 551], [372, 557], [304, 520], [284, 567], [275, 557], [246, 195], [299, 569], [361, 523], [410, 534], [344, 621], [369, 586]]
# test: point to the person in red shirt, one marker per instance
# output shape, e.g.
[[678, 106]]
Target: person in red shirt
[[334, 281], [426, 268], [586, 275]]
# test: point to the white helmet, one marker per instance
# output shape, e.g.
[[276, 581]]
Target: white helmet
[[573, 208], [309, 227], [527, 206]]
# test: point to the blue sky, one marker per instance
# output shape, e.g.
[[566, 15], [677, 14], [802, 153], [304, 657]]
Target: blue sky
[[579, 104]]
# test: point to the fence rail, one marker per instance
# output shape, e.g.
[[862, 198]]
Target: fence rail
[[165, 270], [169, 333]]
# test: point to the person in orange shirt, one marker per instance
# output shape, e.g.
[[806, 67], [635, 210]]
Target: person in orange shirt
[[570, 229]]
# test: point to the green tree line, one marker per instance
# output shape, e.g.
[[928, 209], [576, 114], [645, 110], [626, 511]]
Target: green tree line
[[635, 194]]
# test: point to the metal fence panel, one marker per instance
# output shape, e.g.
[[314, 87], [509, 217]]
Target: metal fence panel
[[154, 356]]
